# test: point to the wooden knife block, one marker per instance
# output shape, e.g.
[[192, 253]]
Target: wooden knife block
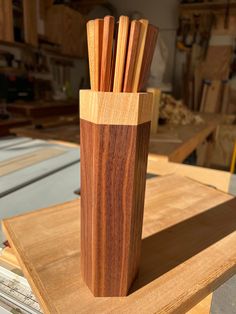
[[114, 138]]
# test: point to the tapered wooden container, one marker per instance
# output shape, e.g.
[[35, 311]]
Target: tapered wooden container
[[114, 136]]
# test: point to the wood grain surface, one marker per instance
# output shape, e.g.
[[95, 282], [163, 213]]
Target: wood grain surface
[[113, 59], [139, 55], [115, 108], [122, 40], [6, 21], [113, 176], [188, 250], [156, 98], [131, 55], [6, 125], [30, 22], [176, 144], [43, 109], [98, 31], [107, 42], [149, 49]]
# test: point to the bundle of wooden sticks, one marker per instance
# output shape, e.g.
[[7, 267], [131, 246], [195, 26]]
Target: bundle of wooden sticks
[[120, 54]]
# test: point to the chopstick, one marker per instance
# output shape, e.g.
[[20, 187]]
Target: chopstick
[[149, 49], [139, 56], [121, 53], [113, 61], [91, 52], [120, 56], [131, 55], [98, 30], [107, 41]]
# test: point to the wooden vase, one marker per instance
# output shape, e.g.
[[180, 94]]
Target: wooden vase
[[114, 138]]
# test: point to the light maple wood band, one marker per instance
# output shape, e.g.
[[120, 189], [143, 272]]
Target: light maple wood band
[[115, 108]]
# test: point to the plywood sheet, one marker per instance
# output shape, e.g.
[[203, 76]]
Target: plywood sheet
[[188, 250]]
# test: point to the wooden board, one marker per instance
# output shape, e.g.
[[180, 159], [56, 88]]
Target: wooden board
[[66, 27], [176, 142], [213, 97], [30, 22], [221, 180], [6, 21], [217, 63], [188, 250], [224, 145], [156, 94]]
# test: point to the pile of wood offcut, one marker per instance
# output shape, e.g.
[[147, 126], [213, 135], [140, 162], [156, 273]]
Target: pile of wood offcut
[[175, 112]]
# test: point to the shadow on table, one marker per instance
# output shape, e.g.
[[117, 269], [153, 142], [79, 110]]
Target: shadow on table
[[170, 247]]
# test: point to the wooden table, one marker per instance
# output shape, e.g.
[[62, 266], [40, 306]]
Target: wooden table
[[7, 125], [188, 250], [176, 143], [68, 132], [39, 110]]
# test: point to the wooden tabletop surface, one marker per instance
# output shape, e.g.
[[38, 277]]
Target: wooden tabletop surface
[[14, 122], [176, 142], [40, 109], [188, 250]]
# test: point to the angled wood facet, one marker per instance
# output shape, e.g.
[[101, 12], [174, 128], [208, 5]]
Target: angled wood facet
[[113, 179], [115, 108]]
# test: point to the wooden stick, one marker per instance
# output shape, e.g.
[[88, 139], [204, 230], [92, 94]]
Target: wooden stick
[[98, 26], [113, 62], [121, 53], [107, 41], [91, 51], [131, 55], [149, 49], [140, 53]]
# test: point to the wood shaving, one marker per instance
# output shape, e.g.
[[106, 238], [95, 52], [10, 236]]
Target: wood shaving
[[175, 112]]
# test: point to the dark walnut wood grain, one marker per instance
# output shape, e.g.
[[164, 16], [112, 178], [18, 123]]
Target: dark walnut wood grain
[[113, 179]]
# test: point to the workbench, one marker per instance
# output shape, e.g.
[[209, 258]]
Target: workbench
[[64, 180], [176, 142], [173, 143], [39, 111], [68, 132], [14, 122]]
